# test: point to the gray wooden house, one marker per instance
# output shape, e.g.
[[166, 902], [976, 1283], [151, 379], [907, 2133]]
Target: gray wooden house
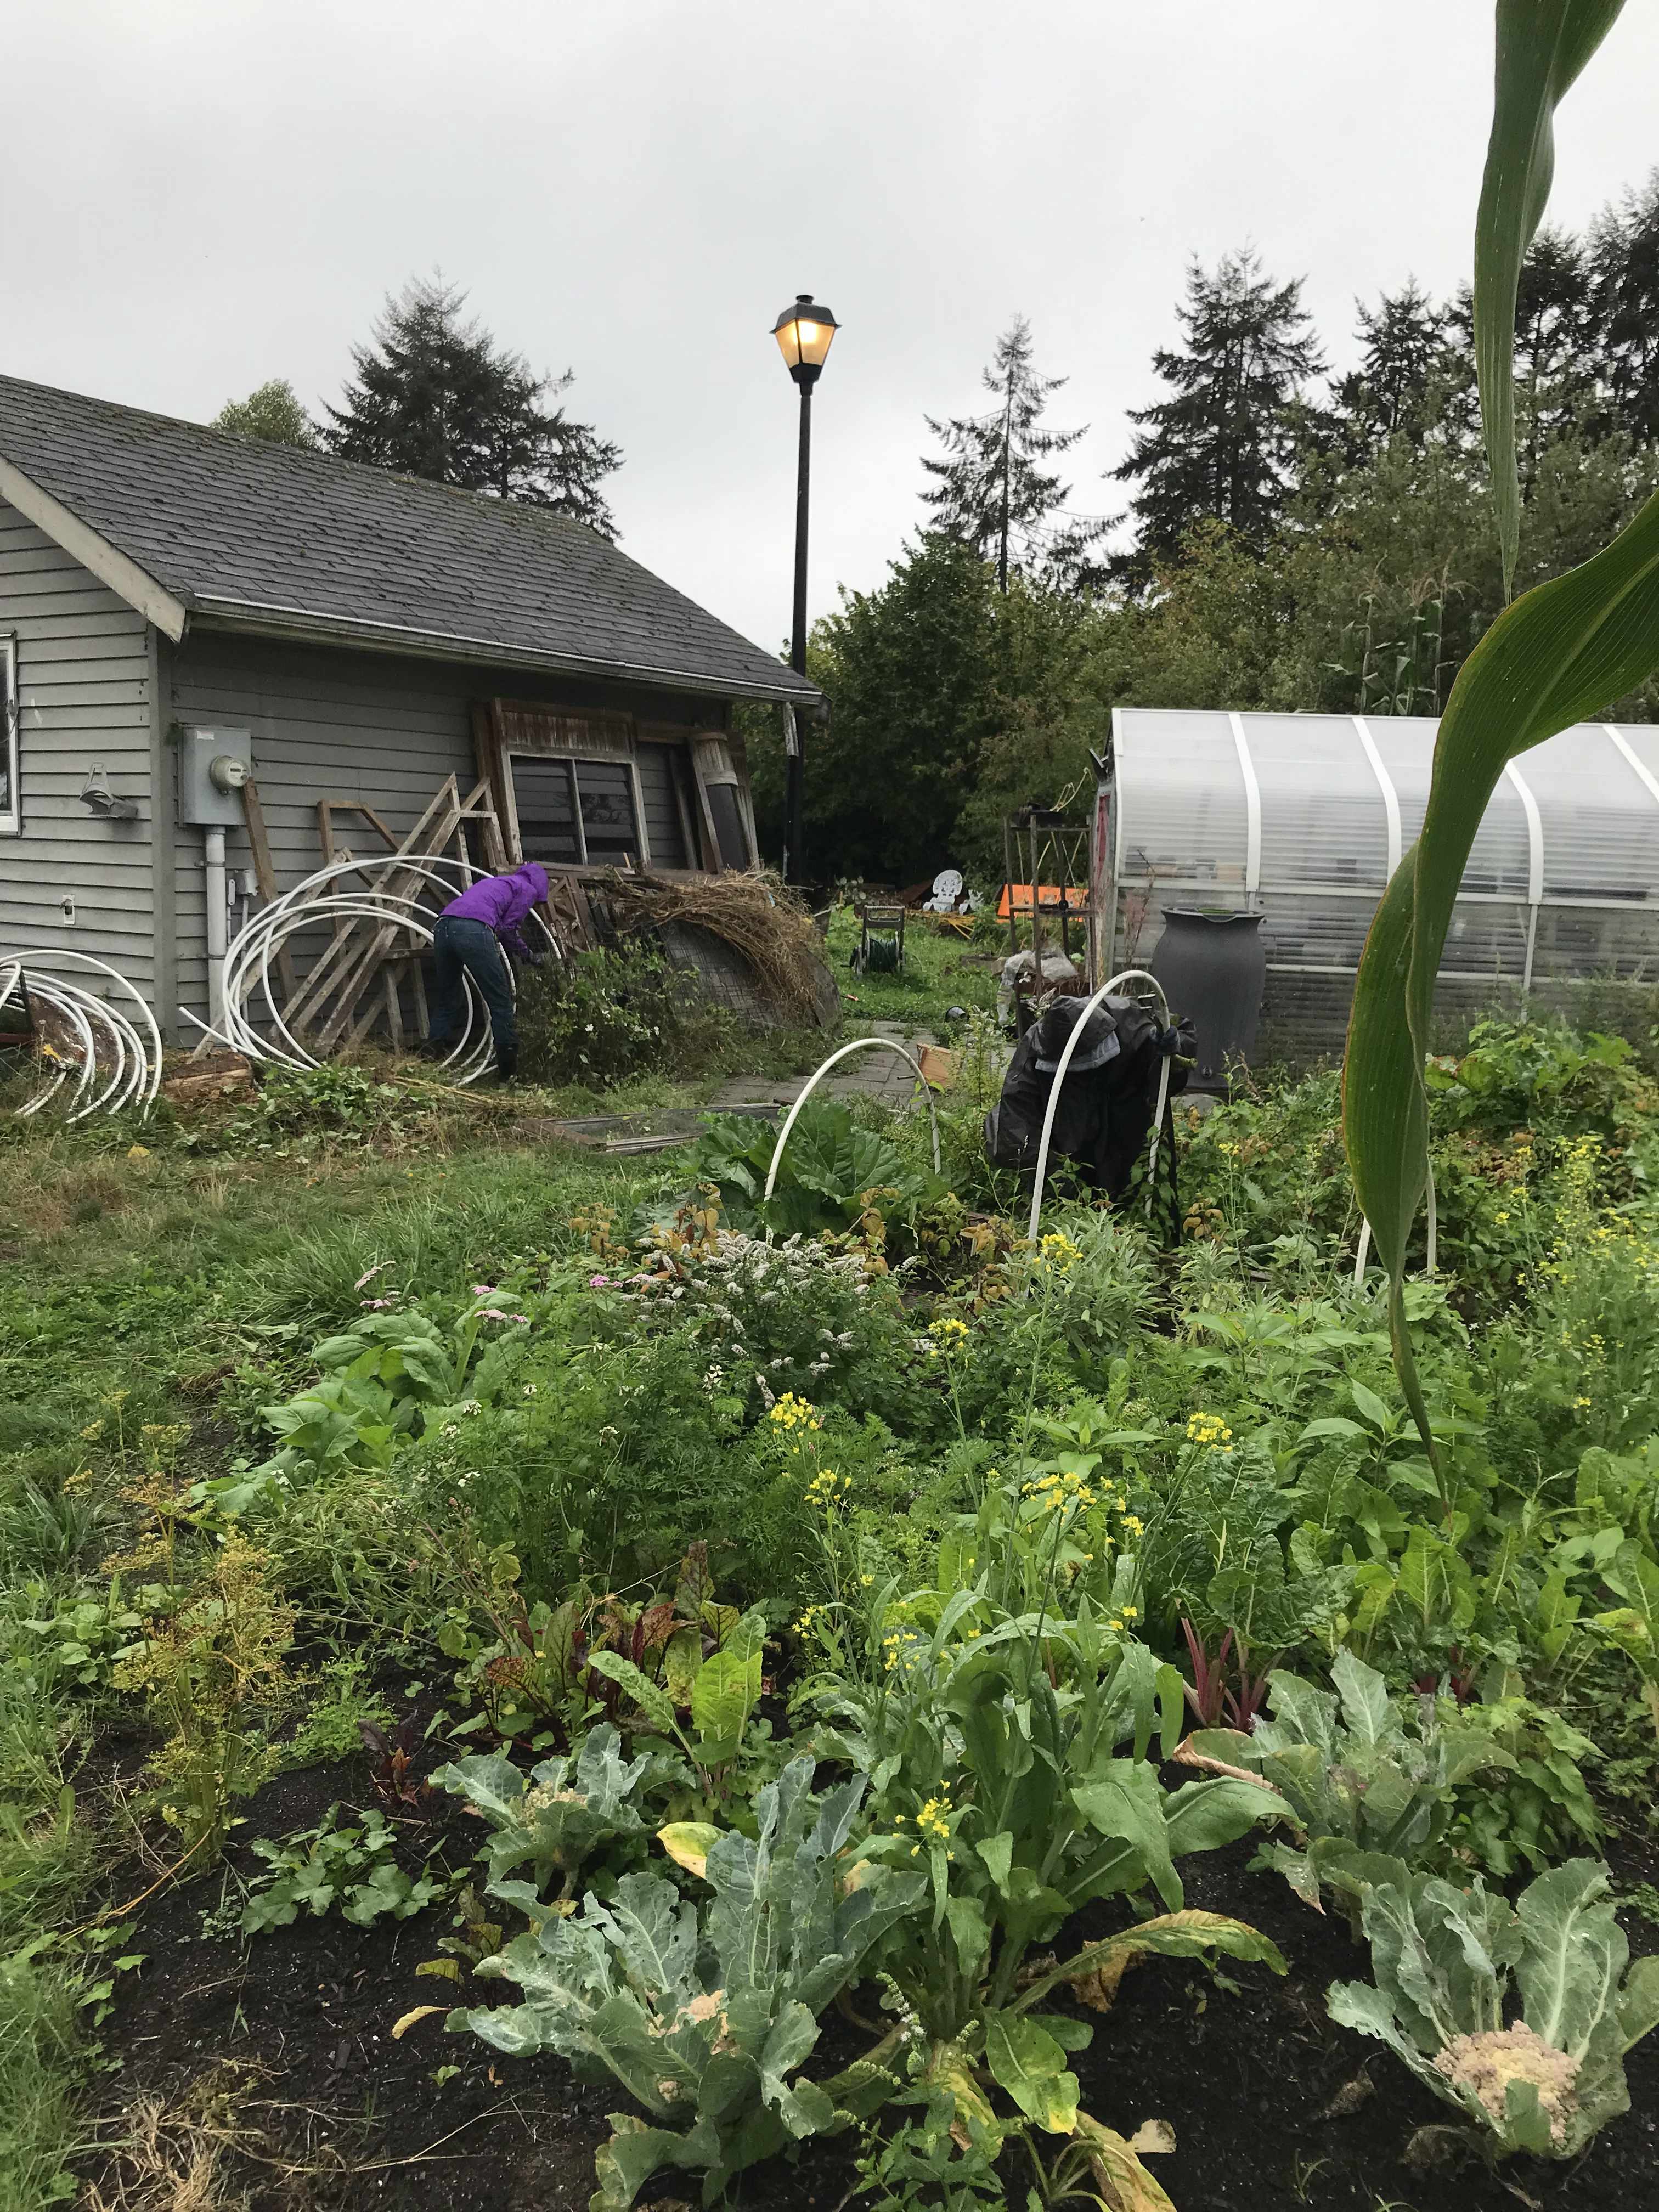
[[372, 633]]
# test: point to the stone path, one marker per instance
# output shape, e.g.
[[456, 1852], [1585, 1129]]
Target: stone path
[[870, 1074]]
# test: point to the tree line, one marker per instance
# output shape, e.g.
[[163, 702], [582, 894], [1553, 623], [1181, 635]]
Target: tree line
[[1286, 539], [434, 395]]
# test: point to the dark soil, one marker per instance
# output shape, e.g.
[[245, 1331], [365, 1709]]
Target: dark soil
[[1273, 2105]]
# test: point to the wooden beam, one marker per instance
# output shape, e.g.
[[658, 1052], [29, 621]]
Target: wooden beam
[[264, 874]]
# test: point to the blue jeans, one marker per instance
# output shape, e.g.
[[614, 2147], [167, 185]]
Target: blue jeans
[[460, 948]]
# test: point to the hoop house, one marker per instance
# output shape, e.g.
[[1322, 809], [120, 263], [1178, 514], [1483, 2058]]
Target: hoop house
[[1302, 817]]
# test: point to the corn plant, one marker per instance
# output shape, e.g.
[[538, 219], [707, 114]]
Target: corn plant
[[1556, 656]]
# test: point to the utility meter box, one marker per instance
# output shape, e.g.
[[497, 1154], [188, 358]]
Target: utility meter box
[[213, 765]]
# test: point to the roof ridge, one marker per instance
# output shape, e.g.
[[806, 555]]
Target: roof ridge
[[241, 442]]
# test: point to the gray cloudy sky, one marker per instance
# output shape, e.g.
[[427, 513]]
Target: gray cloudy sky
[[200, 194]]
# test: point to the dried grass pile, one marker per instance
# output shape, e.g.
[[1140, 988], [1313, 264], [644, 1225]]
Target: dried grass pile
[[755, 914]]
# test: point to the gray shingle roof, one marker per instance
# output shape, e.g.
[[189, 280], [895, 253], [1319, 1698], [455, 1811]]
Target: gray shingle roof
[[244, 531]]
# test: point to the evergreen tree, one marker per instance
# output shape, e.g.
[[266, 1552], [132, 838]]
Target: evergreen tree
[[272, 413], [991, 491], [434, 396], [1222, 445], [1406, 357], [1624, 257]]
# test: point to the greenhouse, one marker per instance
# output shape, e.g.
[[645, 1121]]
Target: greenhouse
[[1301, 818]]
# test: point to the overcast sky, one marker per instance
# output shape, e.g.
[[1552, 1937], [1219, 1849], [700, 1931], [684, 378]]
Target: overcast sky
[[200, 194]]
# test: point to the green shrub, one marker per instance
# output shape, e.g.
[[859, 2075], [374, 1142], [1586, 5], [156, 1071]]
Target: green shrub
[[603, 1017]]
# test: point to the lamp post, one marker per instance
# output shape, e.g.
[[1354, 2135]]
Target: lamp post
[[804, 332]]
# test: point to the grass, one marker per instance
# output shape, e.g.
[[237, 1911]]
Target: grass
[[136, 1281], [941, 970]]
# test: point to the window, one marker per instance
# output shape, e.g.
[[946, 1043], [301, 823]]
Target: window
[[576, 811], [11, 802]]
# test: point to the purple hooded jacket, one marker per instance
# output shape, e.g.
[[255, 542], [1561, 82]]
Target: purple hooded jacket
[[502, 903]]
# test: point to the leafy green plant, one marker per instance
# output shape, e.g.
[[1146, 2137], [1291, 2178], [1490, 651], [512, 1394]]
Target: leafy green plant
[[705, 2014], [604, 1016], [1537, 1809], [1009, 1792], [1444, 1960], [319, 1869], [718, 1689], [1556, 656], [558, 1818], [89, 1636], [831, 1167], [1359, 1777]]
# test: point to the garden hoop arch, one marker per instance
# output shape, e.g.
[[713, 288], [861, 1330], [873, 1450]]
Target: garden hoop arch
[[858, 1044], [1148, 982]]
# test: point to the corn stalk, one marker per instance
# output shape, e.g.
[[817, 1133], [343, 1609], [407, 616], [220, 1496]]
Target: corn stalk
[[1557, 655]]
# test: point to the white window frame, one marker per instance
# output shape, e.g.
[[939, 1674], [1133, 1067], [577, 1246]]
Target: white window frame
[[11, 743]]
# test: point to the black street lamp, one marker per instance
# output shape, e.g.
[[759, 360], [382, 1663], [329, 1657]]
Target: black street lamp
[[803, 333]]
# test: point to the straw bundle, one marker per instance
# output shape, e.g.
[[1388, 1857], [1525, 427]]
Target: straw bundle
[[754, 914]]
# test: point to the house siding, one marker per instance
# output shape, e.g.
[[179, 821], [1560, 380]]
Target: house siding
[[329, 724], [87, 699]]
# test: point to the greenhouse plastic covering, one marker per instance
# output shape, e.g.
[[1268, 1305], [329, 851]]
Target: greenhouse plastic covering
[[1301, 818]]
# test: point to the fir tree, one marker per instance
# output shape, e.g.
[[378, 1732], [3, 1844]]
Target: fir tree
[[991, 490], [1222, 444], [1623, 258], [434, 396], [1406, 358], [272, 413]]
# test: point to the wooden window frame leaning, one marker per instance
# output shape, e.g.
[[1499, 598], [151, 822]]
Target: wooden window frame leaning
[[504, 730], [12, 736]]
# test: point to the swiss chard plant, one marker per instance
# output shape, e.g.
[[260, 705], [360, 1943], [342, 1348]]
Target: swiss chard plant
[[705, 2014], [1446, 1962]]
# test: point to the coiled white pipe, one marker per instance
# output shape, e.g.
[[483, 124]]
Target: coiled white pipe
[[138, 1056], [311, 902]]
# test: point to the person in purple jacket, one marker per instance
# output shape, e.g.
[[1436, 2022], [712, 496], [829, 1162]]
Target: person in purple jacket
[[467, 941]]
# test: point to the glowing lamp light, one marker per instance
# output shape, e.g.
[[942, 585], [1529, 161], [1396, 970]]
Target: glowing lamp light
[[804, 331]]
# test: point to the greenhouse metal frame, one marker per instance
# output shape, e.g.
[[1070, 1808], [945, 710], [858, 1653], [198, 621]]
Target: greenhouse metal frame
[[1301, 818]]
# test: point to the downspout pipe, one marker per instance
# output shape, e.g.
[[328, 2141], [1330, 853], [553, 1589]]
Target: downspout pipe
[[218, 941]]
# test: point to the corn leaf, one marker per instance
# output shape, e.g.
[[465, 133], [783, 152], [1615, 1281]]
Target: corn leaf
[[1542, 45], [1554, 657]]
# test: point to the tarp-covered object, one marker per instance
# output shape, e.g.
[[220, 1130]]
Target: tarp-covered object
[[1107, 1101]]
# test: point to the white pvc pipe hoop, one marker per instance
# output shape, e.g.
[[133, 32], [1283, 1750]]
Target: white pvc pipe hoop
[[858, 1044], [137, 1075], [244, 1037], [1430, 1257], [306, 905], [1144, 977]]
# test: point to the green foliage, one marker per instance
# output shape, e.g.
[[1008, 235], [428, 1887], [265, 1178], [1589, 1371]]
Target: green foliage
[[833, 1173], [566, 1813], [273, 413], [1360, 1777], [319, 1869], [1444, 1960], [1557, 656], [602, 1017], [705, 2014], [435, 396], [991, 491]]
